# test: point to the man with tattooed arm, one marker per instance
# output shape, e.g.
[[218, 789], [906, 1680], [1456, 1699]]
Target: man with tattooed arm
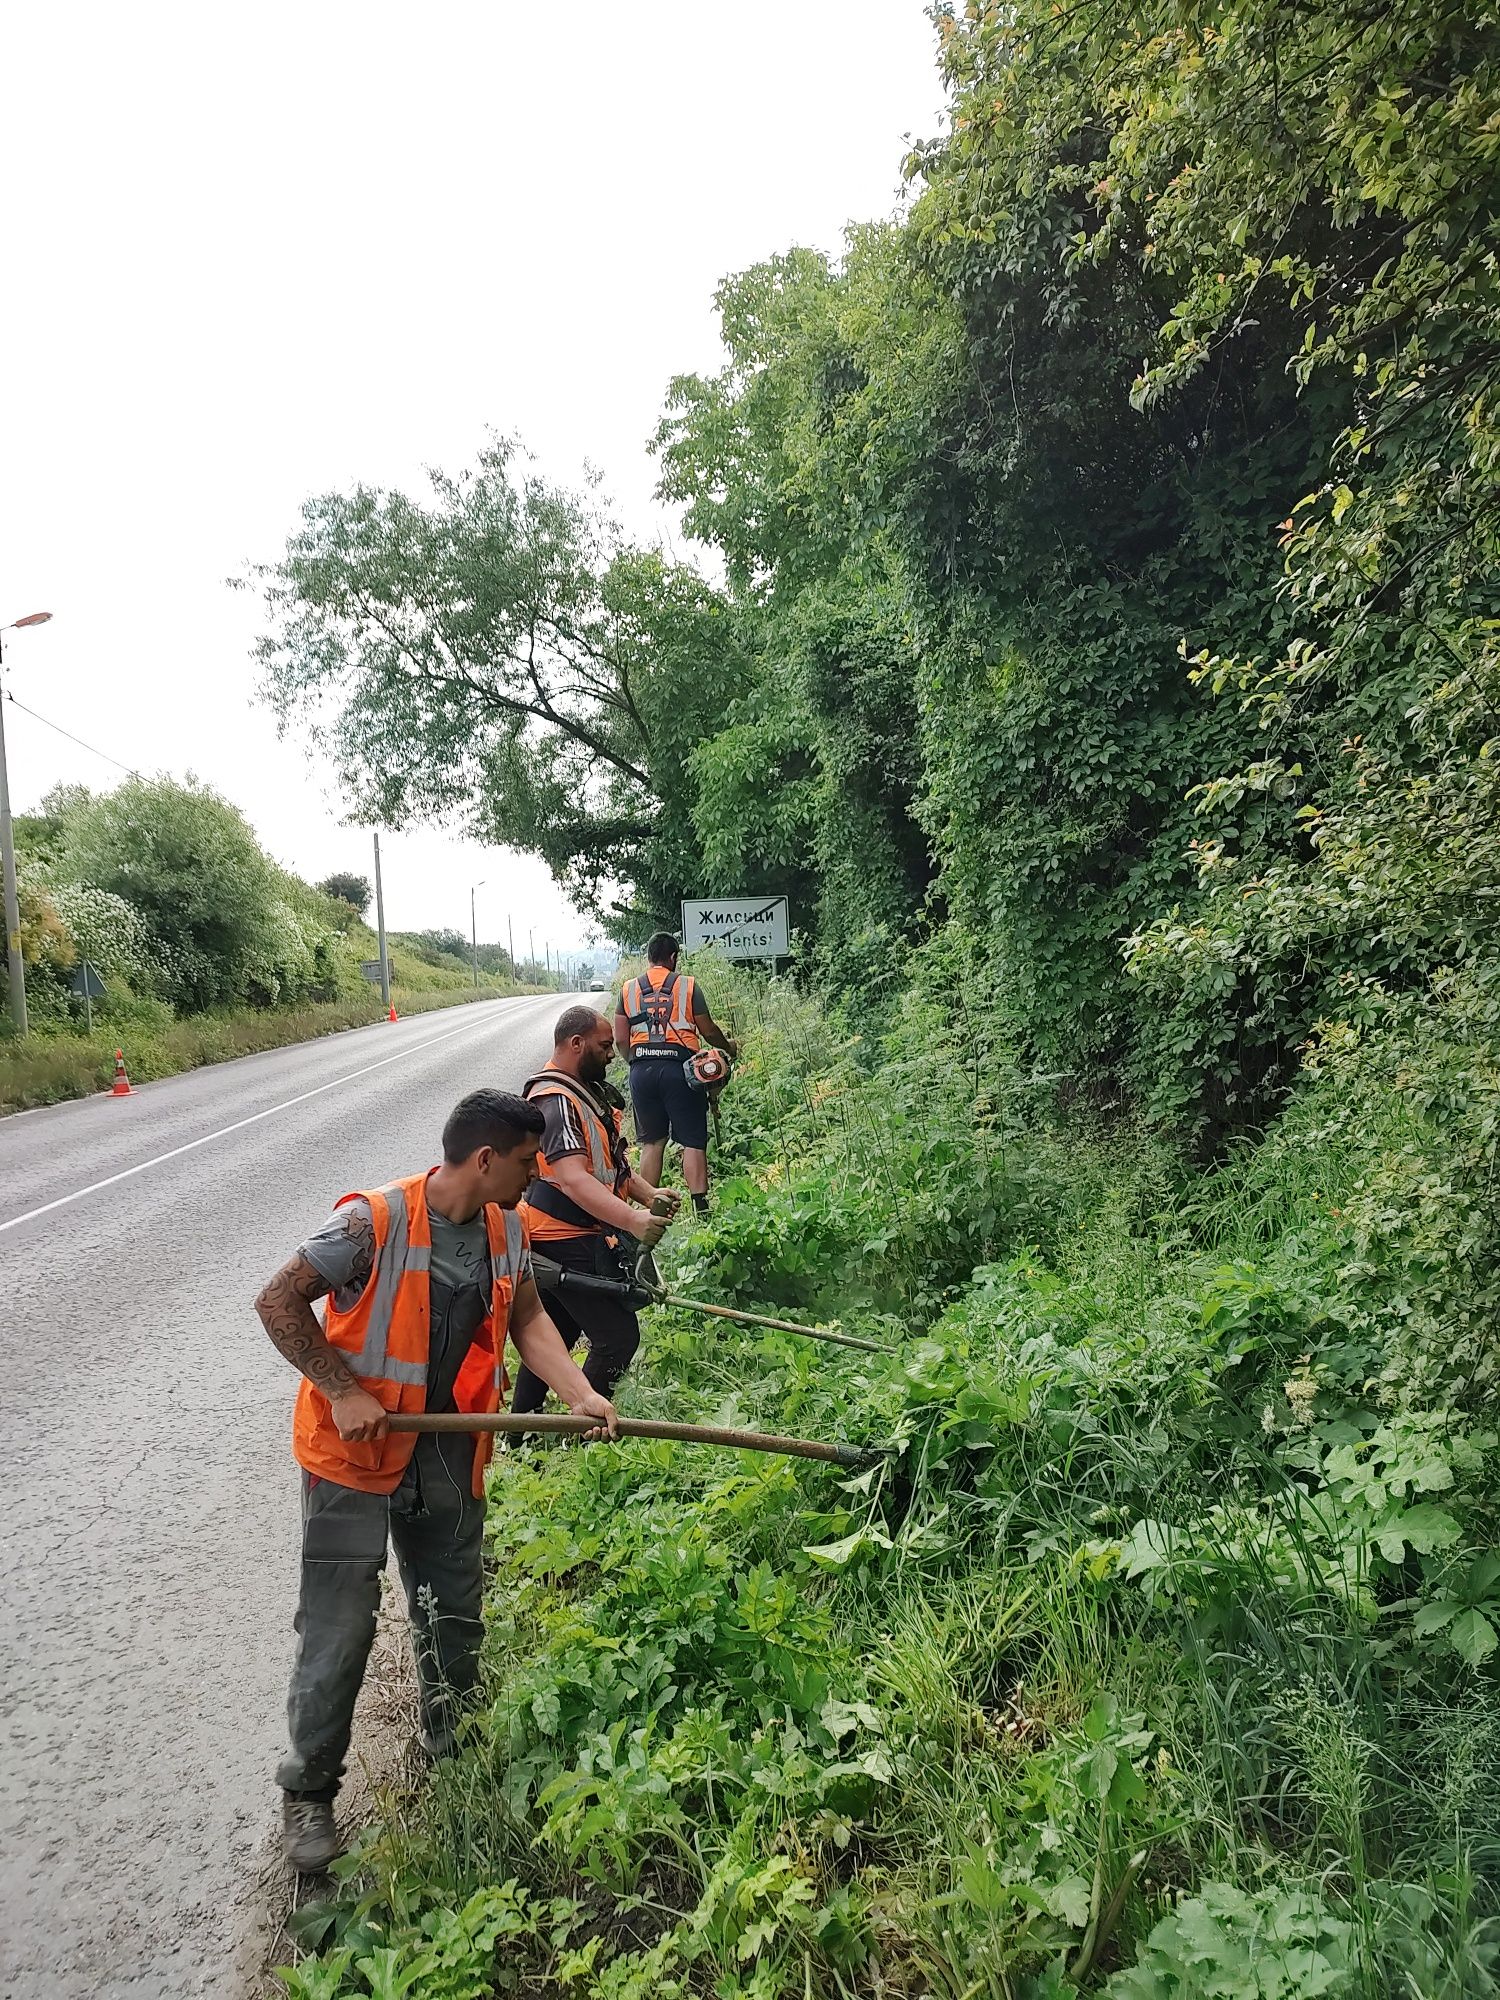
[[422, 1281]]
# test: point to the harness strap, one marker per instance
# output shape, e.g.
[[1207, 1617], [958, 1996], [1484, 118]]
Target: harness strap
[[661, 1011], [608, 1162]]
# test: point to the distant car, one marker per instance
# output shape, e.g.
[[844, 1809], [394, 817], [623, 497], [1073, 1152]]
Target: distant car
[[598, 987]]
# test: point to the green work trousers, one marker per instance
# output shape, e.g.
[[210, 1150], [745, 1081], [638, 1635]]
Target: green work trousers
[[437, 1527]]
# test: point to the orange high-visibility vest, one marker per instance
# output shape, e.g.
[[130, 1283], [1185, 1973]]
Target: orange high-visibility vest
[[549, 1212], [659, 1009], [384, 1336]]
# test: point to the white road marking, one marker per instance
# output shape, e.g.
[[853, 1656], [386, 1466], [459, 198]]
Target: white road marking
[[238, 1126]]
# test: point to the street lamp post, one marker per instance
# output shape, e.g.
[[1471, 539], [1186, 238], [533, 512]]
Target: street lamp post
[[474, 931], [15, 967]]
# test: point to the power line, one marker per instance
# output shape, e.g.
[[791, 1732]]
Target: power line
[[129, 769]]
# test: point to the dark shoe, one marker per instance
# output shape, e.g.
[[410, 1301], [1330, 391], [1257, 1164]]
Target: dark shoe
[[309, 1838]]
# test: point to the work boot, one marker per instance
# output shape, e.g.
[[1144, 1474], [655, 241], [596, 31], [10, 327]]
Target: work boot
[[309, 1838]]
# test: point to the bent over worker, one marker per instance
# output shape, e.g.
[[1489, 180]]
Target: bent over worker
[[660, 1022], [423, 1280], [581, 1203]]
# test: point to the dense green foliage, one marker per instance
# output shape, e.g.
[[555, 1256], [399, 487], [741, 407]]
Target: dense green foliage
[[206, 948], [347, 888], [1108, 549], [1152, 1655], [188, 862]]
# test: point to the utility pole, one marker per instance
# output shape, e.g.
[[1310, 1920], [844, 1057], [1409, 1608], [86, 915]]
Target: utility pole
[[510, 933], [531, 940], [385, 964], [474, 931], [15, 965]]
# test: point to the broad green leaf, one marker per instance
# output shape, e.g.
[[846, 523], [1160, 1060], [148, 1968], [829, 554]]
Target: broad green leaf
[[1473, 1637]]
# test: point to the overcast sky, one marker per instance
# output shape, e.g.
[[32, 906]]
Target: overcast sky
[[253, 253]]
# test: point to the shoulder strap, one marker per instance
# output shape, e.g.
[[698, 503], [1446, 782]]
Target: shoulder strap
[[557, 1083], [606, 1149]]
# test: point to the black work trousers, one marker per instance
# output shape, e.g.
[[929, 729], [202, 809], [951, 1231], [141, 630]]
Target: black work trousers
[[608, 1325]]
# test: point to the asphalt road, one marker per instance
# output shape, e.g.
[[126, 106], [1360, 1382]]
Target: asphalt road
[[148, 1527]]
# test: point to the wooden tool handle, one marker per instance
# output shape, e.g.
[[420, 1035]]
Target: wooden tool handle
[[508, 1420]]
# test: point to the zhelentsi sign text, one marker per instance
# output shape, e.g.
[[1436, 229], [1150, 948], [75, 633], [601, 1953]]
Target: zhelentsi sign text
[[741, 926]]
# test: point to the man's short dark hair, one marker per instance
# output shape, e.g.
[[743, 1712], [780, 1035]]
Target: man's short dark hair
[[579, 1020], [494, 1118], [662, 949]]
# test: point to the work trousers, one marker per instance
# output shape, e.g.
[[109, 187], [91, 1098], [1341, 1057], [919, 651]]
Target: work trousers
[[437, 1527], [610, 1327]]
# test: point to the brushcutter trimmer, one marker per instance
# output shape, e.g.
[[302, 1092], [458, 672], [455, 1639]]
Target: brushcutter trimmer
[[644, 1287]]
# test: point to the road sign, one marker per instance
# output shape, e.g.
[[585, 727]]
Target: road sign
[[739, 926], [370, 967], [85, 980]]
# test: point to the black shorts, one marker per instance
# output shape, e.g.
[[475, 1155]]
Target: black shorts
[[665, 1104]]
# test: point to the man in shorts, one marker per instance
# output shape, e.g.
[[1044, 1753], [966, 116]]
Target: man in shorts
[[660, 1022]]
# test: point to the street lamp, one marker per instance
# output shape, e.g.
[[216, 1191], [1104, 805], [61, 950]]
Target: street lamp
[[14, 966], [474, 931]]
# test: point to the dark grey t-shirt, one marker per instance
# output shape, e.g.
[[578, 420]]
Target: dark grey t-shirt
[[343, 1252]]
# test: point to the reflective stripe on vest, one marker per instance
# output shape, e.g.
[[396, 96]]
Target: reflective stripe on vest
[[394, 1257], [648, 1030], [505, 1262], [397, 1257], [601, 1152]]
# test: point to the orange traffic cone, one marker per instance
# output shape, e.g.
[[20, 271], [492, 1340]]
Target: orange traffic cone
[[122, 1081], [392, 1015]]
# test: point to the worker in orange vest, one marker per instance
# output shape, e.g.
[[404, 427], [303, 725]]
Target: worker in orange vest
[[660, 1022], [423, 1280], [582, 1206]]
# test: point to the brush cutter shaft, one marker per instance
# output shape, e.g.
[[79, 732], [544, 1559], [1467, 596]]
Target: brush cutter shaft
[[507, 1420], [551, 1278], [778, 1325]]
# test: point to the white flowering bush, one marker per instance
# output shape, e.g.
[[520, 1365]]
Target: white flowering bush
[[113, 935]]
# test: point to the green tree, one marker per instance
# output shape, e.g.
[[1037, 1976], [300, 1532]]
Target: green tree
[[354, 890], [496, 655], [189, 862], [812, 790], [433, 946]]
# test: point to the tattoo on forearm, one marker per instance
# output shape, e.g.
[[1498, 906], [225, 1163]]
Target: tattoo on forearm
[[285, 1307]]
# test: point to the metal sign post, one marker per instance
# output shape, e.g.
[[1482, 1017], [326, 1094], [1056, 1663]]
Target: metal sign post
[[385, 963]]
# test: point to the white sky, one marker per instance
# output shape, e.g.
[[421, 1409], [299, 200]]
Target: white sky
[[257, 252]]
